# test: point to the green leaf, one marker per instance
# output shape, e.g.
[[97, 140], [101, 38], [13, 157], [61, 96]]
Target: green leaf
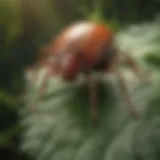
[[148, 145]]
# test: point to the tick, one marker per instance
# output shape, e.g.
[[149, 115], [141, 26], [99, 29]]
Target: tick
[[86, 47]]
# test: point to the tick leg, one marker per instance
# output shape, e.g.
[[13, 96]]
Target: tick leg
[[49, 73], [34, 70], [114, 69], [139, 72], [93, 99], [34, 74], [125, 93]]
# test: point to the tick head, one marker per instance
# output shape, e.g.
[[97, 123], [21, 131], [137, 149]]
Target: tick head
[[69, 66]]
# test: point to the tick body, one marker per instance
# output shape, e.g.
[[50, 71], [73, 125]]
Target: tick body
[[86, 47], [79, 48]]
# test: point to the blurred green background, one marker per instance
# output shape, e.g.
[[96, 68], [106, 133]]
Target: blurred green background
[[25, 25]]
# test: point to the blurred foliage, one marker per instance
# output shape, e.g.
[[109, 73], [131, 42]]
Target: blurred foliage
[[68, 133], [153, 59], [10, 26], [97, 16], [25, 25]]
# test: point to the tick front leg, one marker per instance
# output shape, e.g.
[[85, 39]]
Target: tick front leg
[[43, 86], [125, 93], [33, 74], [93, 99], [34, 70], [139, 72], [114, 69]]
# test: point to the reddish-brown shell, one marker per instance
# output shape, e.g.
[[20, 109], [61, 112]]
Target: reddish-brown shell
[[85, 37]]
